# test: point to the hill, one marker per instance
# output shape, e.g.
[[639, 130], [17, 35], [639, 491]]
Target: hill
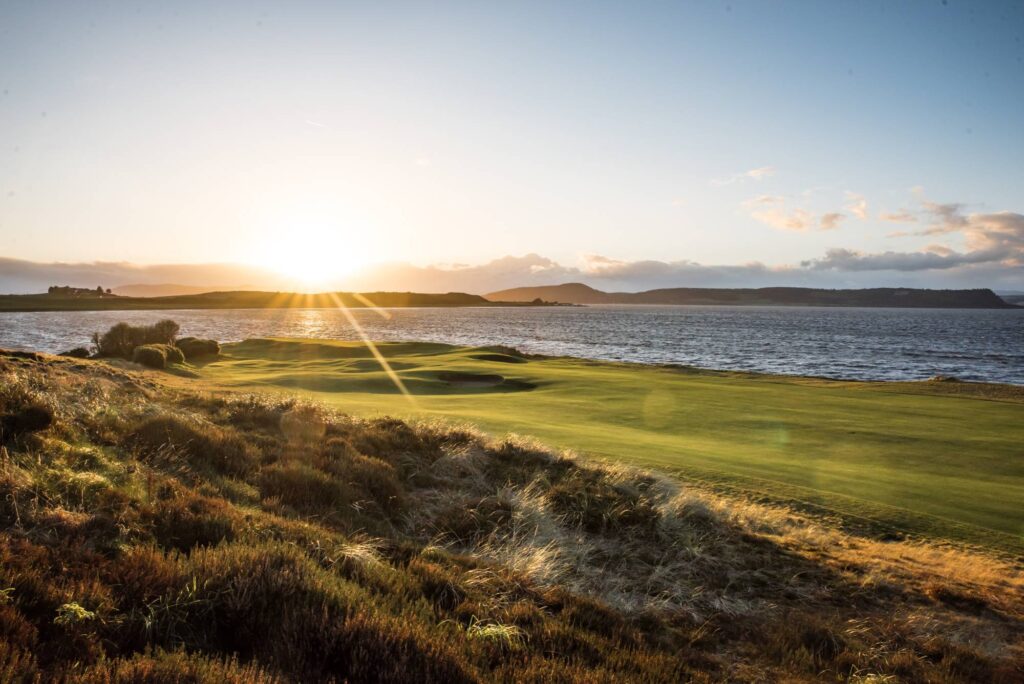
[[578, 293], [240, 300], [162, 290], [156, 529]]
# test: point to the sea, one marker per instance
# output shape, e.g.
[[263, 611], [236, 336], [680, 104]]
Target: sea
[[850, 343]]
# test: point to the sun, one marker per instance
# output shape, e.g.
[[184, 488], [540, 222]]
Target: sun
[[312, 259]]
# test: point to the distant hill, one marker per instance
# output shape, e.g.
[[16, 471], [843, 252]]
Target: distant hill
[[578, 293], [240, 300], [164, 290]]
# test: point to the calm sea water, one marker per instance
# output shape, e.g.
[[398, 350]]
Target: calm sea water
[[877, 344]]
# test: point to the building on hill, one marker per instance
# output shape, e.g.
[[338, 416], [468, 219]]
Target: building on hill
[[68, 291]]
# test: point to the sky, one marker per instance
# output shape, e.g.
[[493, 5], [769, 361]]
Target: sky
[[482, 145]]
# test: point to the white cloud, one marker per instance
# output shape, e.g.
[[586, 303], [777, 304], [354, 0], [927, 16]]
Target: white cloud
[[938, 258], [831, 220], [901, 216], [757, 174], [773, 211], [857, 205]]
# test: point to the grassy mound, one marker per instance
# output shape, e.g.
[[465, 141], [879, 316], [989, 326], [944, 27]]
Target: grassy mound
[[157, 355], [196, 348], [150, 533]]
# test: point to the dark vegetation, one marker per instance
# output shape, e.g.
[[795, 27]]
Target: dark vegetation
[[157, 355], [122, 339], [195, 348], [153, 346], [578, 293], [150, 534]]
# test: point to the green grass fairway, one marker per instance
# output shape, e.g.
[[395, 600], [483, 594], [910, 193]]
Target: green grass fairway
[[944, 459]]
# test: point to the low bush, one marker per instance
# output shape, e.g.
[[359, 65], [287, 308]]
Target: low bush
[[122, 339], [587, 499], [150, 355], [77, 353], [22, 412], [205, 446], [196, 348], [304, 488], [185, 522], [25, 420], [157, 355], [174, 354]]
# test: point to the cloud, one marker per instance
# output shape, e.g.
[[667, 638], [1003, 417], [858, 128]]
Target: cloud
[[1000, 233], [508, 271], [901, 216], [773, 211], [857, 205], [945, 218], [20, 276], [938, 258], [757, 174], [831, 220]]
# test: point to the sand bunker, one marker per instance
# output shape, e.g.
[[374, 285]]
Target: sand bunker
[[470, 379], [476, 380]]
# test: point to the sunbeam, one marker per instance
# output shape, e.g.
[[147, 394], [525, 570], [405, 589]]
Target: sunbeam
[[373, 347]]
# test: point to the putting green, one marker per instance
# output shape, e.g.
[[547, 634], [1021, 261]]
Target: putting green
[[945, 459]]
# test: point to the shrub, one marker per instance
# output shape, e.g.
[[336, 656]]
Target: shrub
[[122, 339], [185, 522], [157, 355], [77, 353], [203, 445], [27, 419], [303, 424], [303, 488], [117, 341], [586, 498], [196, 348], [174, 354], [163, 332], [150, 355], [21, 412]]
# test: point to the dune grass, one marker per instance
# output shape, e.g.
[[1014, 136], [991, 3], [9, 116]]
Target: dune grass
[[938, 458]]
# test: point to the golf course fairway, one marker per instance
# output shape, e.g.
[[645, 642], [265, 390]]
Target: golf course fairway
[[941, 459]]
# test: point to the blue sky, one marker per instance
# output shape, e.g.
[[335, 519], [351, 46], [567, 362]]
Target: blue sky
[[324, 137]]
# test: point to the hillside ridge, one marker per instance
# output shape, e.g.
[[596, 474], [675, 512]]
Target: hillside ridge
[[580, 293]]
